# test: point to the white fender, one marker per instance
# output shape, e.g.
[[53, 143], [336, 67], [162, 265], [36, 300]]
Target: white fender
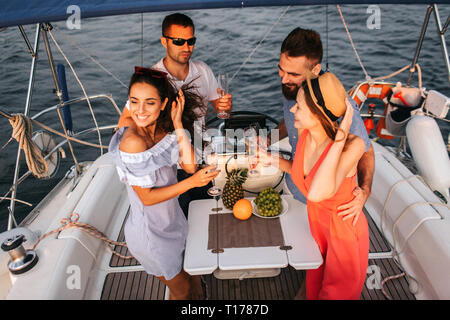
[[429, 152]]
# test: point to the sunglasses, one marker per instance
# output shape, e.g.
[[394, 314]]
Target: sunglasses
[[153, 72], [181, 41]]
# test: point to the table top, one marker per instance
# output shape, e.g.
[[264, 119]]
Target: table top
[[199, 260]]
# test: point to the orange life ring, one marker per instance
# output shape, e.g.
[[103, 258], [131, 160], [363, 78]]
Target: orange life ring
[[378, 91]]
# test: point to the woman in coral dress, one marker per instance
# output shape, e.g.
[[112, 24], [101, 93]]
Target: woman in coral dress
[[324, 169]]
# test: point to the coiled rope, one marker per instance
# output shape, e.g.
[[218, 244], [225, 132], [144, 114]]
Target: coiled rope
[[72, 222], [22, 130]]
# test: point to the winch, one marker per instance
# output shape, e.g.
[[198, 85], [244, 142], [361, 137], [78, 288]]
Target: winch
[[21, 260]]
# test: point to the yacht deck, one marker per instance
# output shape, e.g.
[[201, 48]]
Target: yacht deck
[[130, 282]]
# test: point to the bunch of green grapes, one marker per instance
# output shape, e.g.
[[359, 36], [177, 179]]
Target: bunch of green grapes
[[268, 202]]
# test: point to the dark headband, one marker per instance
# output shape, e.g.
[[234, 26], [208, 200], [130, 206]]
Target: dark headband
[[318, 94]]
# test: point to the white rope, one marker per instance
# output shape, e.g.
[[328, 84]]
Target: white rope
[[351, 42], [82, 88], [389, 197], [72, 222], [397, 276], [90, 57], [419, 75], [393, 74], [259, 43], [394, 227], [17, 200], [436, 117]]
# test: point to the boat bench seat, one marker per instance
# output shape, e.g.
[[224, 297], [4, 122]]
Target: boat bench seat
[[402, 207]]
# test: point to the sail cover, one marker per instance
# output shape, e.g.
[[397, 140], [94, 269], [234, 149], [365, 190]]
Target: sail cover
[[23, 12]]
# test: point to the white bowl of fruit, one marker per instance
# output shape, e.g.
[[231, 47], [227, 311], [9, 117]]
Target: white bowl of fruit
[[268, 204]]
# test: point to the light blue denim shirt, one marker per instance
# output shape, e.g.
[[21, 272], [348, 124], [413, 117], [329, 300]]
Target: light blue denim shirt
[[357, 128]]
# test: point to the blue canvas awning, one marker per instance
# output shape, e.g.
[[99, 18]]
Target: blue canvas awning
[[23, 12]]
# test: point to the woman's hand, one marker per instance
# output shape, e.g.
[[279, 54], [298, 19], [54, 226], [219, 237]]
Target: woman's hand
[[347, 119], [177, 110], [203, 176]]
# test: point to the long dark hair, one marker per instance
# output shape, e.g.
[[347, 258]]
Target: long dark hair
[[167, 90]]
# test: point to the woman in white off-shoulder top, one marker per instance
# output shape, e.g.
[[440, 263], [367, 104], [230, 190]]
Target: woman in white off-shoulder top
[[146, 155]]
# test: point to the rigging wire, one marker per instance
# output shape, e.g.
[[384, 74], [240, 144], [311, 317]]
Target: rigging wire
[[76, 46], [326, 38], [259, 43], [83, 89], [351, 42], [142, 39]]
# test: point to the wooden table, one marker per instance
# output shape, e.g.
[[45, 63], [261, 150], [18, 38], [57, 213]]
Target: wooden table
[[255, 261]]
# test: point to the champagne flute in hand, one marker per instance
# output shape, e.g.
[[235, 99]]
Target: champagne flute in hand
[[223, 82]]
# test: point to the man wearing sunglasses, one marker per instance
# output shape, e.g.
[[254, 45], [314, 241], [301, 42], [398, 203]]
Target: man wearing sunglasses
[[179, 40]]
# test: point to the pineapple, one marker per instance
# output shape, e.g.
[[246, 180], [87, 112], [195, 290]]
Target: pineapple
[[233, 191]]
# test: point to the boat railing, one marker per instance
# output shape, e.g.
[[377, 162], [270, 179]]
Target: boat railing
[[97, 129], [76, 100]]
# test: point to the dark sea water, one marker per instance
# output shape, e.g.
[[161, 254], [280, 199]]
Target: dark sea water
[[225, 39]]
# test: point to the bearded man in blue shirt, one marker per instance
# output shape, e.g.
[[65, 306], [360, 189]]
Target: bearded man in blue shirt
[[302, 51]]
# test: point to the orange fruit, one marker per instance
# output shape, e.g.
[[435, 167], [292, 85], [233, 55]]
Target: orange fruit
[[242, 209]]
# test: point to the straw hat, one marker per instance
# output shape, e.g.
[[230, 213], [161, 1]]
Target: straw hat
[[328, 94]]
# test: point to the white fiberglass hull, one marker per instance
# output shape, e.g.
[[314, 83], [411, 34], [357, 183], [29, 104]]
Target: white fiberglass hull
[[73, 264]]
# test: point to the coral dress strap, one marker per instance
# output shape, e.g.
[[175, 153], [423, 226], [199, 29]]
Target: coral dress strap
[[312, 172], [297, 167], [302, 180], [301, 151]]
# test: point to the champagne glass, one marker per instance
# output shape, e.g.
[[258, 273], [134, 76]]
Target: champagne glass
[[251, 141], [211, 158], [262, 145], [223, 82]]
